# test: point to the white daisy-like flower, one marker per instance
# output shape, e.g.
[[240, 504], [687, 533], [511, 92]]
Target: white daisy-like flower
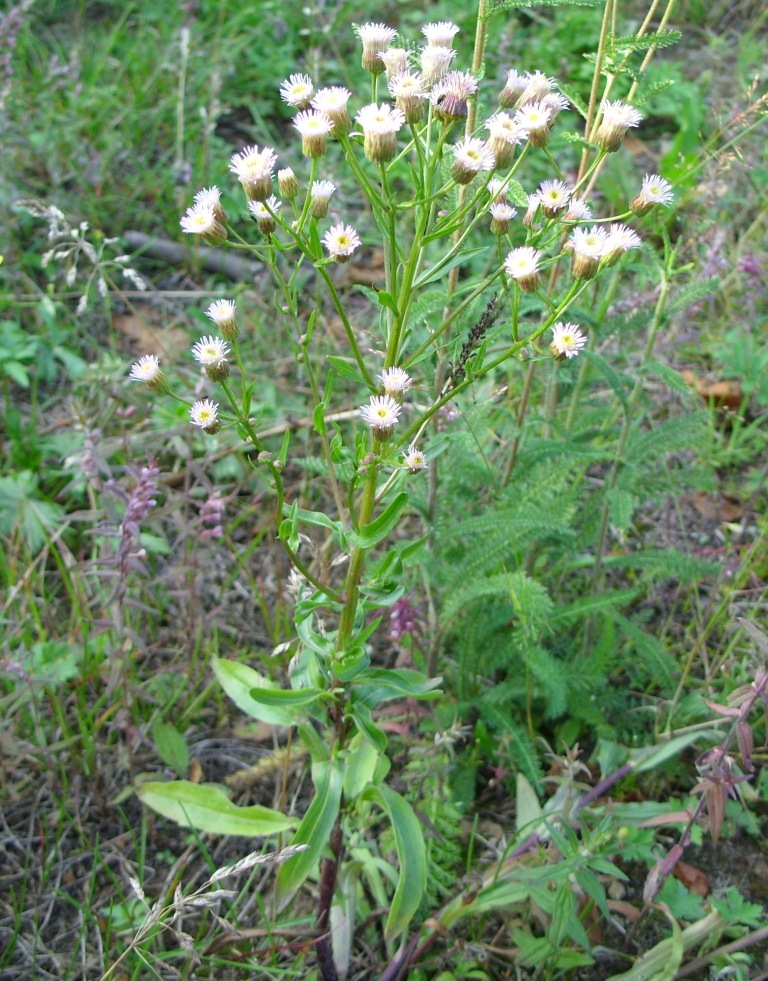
[[205, 415], [620, 239], [210, 351], [409, 92], [414, 460], [381, 414], [314, 127], [577, 211], [522, 265], [617, 118], [434, 63], [537, 85], [320, 197], [264, 212], [535, 118], [655, 190], [514, 87], [501, 215], [341, 241], [376, 38], [567, 341], [146, 369], [557, 103], [253, 168], [297, 91], [553, 197], [471, 156], [441, 34], [208, 197], [504, 134], [531, 211], [395, 382], [395, 60], [380, 126], [449, 96], [201, 219], [497, 189], [223, 314], [588, 247], [333, 102]]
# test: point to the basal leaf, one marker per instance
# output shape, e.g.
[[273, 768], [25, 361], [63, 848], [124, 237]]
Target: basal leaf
[[207, 808]]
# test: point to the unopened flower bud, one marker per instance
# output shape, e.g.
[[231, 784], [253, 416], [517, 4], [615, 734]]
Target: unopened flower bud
[[287, 184]]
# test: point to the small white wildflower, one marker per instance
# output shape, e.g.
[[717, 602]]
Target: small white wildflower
[[501, 215], [441, 34], [449, 96], [618, 117], [333, 102], [577, 211], [567, 341], [381, 414], [655, 190], [201, 219], [553, 197], [471, 156], [620, 239], [537, 85], [434, 63], [588, 247], [514, 86], [146, 369], [376, 38], [504, 135], [211, 353], [395, 60], [253, 168], [409, 92], [205, 415], [320, 197], [341, 241], [223, 314], [314, 127], [264, 212], [297, 91], [395, 382], [380, 126], [414, 460], [522, 265]]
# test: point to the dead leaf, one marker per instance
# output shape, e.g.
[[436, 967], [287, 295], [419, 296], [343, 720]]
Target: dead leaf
[[724, 394], [148, 332], [718, 506], [692, 878]]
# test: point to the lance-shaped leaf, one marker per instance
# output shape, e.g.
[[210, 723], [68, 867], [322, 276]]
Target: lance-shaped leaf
[[207, 808], [238, 681], [381, 526], [314, 830], [411, 856], [377, 685]]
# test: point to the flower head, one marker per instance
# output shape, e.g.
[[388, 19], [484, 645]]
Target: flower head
[[264, 212], [588, 247], [147, 369], [341, 241], [567, 341], [205, 415], [553, 198], [376, 38], [380, 126], [409, 92], [212, 353], [201, 219], [395, 60], [287, 183], [320, 197], [504, 136], [395, 382], [222, 313], [535, 118], [440, 35], [253, 168], [210, 197], [577, 211], [333, 102], [449, 96], [617, 119], [434, 63], [297, 91], [381, 414], [655, 190], [537, 85], [501, 215], [522, 265], [414, 460], [557, 103], [620, 239], [513, 89], [470, 157], [314, 127]]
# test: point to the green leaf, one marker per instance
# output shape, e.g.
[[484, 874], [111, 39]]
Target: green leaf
[[383, 684], [388, 301], [361, 763], [314, 830], [411, 855], [238, 681], [316, 518], [171, 746], [528, 809], [363, 720], [444, 265], [382, 526], [207, 808], [345, 369], [286, 698]]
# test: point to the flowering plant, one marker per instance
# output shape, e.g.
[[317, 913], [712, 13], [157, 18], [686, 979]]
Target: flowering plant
[[445, 196]]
